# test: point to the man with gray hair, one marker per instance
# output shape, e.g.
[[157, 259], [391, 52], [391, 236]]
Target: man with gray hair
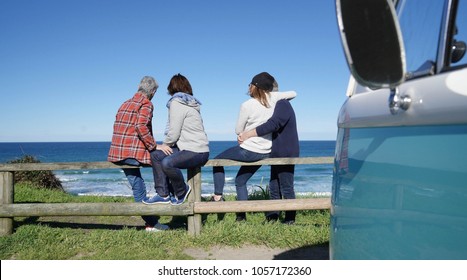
[[133, 141]]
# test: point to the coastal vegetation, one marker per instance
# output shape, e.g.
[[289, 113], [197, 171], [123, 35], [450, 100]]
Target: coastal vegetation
[[40, 179], [124, 238]]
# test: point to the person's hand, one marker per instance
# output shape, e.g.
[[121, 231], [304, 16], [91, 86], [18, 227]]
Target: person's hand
[[245, 135], [164, 148], [240, 138]]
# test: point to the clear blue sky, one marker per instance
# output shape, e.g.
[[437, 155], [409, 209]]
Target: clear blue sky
[[66, 66]]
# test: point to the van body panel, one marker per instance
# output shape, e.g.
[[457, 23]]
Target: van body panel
[[399, 186], [400, 193]]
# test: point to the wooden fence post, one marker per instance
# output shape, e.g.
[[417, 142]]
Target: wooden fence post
[[194, 180], [6, 197]]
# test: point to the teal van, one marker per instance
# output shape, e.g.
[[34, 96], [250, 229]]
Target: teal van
[[400, 173]]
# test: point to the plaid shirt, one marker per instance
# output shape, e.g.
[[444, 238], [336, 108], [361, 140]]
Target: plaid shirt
[[132, 135]]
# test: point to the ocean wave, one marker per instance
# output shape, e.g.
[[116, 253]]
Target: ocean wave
[[103, 183], [315, 194], [120, 186], [229, 179], [313, 178], [66, 178], [108, 172], [104, 194]]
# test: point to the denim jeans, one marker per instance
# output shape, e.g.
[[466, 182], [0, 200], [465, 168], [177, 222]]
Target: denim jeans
[[281, 186], [138, 186], [167, 174], [243, 175]]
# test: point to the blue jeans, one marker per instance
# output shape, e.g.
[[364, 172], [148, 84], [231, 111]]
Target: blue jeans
[[244, 174], [168, 177], [281, 185], [138, 187]]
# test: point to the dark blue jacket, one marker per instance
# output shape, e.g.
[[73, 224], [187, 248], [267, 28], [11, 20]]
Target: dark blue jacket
[[283, 126]]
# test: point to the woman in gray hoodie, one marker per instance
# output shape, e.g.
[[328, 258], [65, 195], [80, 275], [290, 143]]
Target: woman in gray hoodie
[[185, 145]]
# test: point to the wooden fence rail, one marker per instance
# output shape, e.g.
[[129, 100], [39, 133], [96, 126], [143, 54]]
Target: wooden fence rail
[[192, 209]]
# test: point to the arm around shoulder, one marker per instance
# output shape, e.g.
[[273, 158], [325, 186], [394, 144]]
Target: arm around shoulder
[[286, 95]]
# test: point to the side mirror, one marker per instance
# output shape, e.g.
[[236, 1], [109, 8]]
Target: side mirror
[[372, 42], [458, 51]]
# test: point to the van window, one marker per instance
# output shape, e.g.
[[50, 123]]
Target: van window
[[420, 21], [460, 33]]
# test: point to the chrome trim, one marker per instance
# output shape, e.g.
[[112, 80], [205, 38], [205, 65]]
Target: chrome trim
[[398, 101], [447, 14]]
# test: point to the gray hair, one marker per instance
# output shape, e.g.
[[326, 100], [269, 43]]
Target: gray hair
[[148, 85]]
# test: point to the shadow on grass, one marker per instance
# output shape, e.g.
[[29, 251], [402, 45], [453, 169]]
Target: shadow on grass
[[316, 252], [89, 223]]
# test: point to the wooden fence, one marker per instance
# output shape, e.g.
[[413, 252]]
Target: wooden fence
[[193, 208]]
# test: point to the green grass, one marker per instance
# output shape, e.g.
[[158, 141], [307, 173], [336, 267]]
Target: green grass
[[122, 238]]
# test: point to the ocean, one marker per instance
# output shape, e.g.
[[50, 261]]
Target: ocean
[[314, 179]]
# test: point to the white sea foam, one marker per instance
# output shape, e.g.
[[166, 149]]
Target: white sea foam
[[229, 179]]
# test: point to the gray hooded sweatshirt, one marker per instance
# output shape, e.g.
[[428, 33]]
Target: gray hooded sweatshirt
[[185, 125]]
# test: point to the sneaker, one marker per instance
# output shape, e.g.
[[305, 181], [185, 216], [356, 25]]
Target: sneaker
[[157, 227], [289, 222], [179, 200], [214, 200], [157, 199]]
